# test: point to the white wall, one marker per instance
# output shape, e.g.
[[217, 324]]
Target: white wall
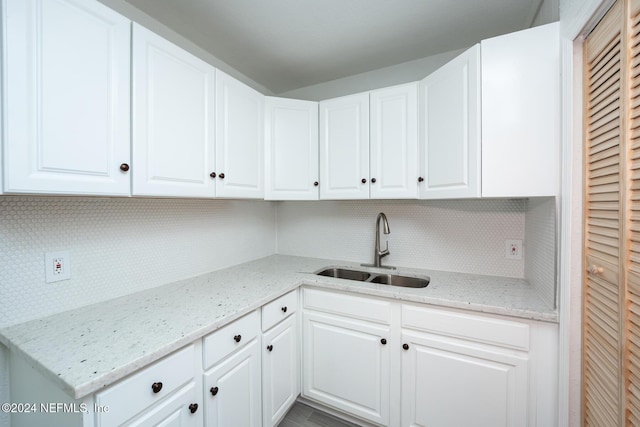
[[397, 74]]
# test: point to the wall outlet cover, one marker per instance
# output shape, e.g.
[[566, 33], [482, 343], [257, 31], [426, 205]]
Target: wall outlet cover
[[57, 266], [513, 249]]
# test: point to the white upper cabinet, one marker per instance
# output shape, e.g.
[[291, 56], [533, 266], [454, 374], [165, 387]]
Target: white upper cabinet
[[344, 147], [450, 129], [66, 98], [521, 113], [239, 139], [173, 119], [394, 142], [291, 149]]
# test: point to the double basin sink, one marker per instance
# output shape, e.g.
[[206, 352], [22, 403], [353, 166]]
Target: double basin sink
[[375, 277]]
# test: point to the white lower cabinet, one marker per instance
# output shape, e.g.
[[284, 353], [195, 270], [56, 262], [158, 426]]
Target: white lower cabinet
[[345, 357], [232, 374], [233, 390], [379, 361], [455, 368], [280, 357], [177, 411], [165, 392], [280, 370], [448, 382]]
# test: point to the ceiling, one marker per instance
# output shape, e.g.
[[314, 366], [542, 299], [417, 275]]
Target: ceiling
[[289, 44]]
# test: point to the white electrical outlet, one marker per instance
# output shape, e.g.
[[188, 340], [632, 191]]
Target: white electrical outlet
[[57, 266], [513, 249]]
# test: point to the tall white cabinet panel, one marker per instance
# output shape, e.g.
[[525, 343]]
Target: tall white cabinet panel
[[66, 97], [521, 113], [280, 370], [239, 139], [173, 119], [394, 142], [232, 390], [291, 149], [457, 383], [450, 129], [346, 365], [344, 147]]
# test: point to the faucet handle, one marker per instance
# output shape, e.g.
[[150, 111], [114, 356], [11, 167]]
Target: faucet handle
[[385, 252]]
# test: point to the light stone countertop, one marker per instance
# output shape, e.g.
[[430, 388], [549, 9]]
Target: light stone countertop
[[86, 349]]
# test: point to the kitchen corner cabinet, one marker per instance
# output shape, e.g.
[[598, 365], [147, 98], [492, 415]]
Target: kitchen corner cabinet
[[394, 142], [344, 147], [521, 113], [291, 149], [66, 98], [173, 119], [239, 139], [450, 129]]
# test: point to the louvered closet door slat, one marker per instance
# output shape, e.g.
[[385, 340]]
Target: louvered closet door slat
[[632, 315], [603, 132], [605, 140]]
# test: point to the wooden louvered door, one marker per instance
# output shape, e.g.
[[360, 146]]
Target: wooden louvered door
[[611, 326], [603, 120]]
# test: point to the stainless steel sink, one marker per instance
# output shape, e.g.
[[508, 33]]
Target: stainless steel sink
[[373, 277], [344, 273], [404, 281]]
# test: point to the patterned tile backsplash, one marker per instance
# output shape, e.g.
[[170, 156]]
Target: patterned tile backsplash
[[467, 236], [119, 246], [123, 245], [540, 261]]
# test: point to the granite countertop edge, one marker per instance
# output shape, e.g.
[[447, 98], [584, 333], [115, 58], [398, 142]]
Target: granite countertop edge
[[260, 282]]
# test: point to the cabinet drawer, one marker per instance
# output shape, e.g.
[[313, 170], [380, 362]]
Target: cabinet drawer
[[222, 342], [279, 309], [489, 330], [357, 307], [131, 395]]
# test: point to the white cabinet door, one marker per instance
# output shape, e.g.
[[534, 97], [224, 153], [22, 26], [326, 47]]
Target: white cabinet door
[[66, 97], [450, 129], [280, 370], [232, 390], [173, 119], [239, 139], [182, 409], [448, 382], [394, 142], [521, 113], [347, 366], [291, 149], [344, 147]]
